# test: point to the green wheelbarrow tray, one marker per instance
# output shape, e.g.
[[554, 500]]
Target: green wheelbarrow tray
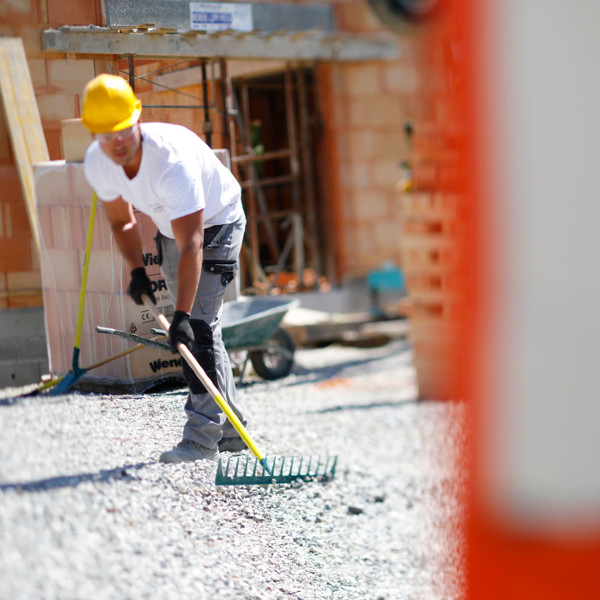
[[252, 324]]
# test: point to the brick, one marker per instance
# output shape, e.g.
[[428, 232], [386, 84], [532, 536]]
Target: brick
[[391, 142], [62, 225], [56, 107], [362, 80], [19, 220], [31, 34], [30, 281], [369, 204], [362, 144], [6, 153], [69, 76], [37, 70], [22, 11], [9, 181], [378, 111], [67, 276], [358, 177], [356, 17], [385, 172], [51, 185], [15, 254], [52, 135], [402, 78], [388, 231], [80, 191], [46, 232], [103, 275], [75, 140], [365, 242], [75, 12], [12, 194]]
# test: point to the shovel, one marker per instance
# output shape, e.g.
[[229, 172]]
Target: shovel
[[62, 384], [241, 470]]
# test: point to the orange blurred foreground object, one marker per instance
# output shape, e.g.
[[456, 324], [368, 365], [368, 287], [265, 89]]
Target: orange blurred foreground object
[[534, 487]]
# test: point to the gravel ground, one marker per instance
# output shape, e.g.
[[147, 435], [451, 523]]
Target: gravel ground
[[86, 511]]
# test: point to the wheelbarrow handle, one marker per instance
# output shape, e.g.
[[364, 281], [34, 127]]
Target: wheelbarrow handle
[[209, 385]]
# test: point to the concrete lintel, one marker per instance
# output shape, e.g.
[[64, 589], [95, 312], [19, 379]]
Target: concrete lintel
[[256, 45]]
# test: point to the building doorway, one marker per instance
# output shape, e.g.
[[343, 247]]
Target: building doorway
[[276, 154]]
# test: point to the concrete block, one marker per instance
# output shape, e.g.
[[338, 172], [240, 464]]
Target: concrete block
[[23, 357]]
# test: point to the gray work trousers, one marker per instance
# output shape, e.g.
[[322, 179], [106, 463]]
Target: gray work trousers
[[206, 423]]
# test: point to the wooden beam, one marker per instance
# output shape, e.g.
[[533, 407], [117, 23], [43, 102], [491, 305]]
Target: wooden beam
[[24, 123]]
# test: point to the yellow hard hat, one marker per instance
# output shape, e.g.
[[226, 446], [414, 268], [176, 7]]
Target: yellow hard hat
[[109, 104]]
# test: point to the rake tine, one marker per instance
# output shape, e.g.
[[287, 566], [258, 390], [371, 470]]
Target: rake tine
[[333, 465], [282, 469], [318, 465]]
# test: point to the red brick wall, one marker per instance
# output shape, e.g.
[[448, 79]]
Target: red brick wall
[[365, 106], [57, 83]]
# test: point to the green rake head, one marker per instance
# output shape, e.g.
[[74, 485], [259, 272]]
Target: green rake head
[[245, 470]]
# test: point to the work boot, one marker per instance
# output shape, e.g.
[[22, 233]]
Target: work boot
[[232, 444], [189, 451]]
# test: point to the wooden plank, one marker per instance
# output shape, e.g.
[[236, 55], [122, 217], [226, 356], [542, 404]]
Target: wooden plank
[[23, 121]]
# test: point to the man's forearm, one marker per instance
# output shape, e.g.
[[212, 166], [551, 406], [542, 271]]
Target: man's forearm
[[130, 244], [188, 277]]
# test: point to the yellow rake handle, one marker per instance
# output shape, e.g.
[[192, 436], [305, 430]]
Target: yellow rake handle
[[208, 384], [86, 268]]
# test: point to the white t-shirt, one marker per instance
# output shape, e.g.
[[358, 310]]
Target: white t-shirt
[[179, 175]]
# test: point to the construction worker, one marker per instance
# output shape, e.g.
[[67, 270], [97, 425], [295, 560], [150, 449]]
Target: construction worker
[[167, 172]]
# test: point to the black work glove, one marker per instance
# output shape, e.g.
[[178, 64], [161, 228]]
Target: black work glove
[[180, 330], [140, 285]]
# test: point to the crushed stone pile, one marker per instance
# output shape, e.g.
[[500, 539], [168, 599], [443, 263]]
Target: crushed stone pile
[[86, 511]]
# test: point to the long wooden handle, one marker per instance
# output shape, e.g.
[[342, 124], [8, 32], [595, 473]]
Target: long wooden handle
[[123, 353], [208, 384]]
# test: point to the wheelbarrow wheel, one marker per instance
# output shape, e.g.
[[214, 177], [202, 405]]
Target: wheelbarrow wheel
[[276, 360]]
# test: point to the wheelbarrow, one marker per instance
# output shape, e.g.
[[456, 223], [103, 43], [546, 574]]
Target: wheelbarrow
[[252, 325]]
